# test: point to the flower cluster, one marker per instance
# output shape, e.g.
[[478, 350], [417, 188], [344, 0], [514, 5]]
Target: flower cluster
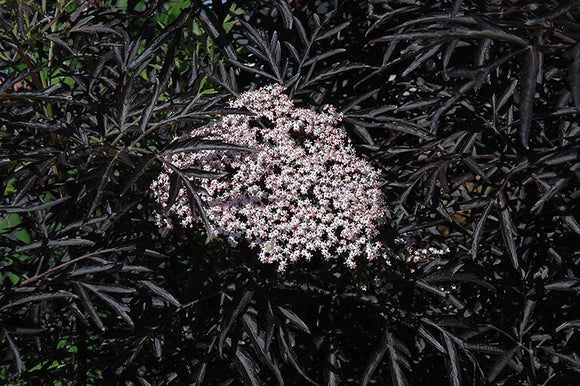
[[302, 191], [417, 255]]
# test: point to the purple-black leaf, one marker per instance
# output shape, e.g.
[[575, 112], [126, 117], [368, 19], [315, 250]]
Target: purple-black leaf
[[574, 76], [478, 231], [259, 345], [247, 367], [332, 31], [301, 31], [500, 364], [121, 309], [15, 353], [197, 144], [22, 209], [452, 361], [508, 229], [239, 304], [294, 319], [175, 183], [528, 77], [162, 293], [56, 243], [470, 162], [215, 30], [60, 294], [139, 170], [89, 306], [375, 359], [283, 336], [286, 13]]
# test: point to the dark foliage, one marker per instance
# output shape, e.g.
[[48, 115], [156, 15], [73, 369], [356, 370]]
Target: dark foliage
[[469, 108]]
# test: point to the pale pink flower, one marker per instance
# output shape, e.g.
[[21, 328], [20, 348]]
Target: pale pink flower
[[303, 191], [418, 255]]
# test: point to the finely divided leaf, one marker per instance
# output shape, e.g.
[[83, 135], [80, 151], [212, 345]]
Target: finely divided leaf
[[452, 360], [574, 76], [396, 348], [290, 355], [162, 293], [247, 367], [23, 209], [121, 309], [89, 306], [240, 302], [15, 353], [259, 345], [333, 31], [528, 90], [478, 231], [508, 229], [175, 183], [500, 364], [294, 319], [375, 360], [197, 144], [60, 294]]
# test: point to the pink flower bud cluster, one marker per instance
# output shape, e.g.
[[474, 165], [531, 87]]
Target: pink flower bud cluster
[[303, 191]]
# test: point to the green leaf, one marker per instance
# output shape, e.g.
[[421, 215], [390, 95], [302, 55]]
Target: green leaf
[[14, 279]]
